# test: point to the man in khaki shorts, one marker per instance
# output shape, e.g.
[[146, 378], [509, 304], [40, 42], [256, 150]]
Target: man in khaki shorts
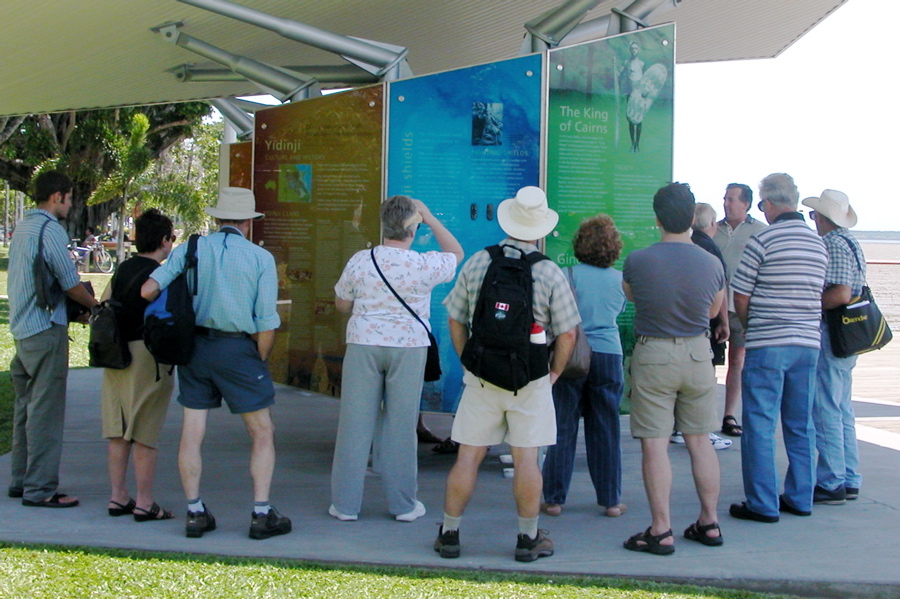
[[731, 238], [488, 415], [676, 287]]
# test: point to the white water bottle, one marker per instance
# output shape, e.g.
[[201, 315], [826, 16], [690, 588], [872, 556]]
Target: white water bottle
[[538, 334]]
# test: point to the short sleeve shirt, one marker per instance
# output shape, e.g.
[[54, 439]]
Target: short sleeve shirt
[[553, 304], [846, 261], [378, 318], [673, 286]]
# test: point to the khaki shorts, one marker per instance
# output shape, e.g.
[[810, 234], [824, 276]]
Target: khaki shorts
[[133, 402], [737, 337], [489, 415], [673, 387]]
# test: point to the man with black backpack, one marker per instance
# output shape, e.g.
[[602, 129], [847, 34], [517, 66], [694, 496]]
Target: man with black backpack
[[236, 317], [506, 302]]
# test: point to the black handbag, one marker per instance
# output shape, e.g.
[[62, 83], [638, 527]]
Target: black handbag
[[433, 363], [107, 347], [859, 326]]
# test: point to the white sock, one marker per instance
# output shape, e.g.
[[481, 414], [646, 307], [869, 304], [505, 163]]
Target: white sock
[[261, 507], [451, 522], [196, 505], [528, 527]]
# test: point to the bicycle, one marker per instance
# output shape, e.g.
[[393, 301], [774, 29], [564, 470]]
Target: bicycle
[[94, 254]]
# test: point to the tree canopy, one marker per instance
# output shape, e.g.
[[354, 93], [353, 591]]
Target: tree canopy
[[87, 145]]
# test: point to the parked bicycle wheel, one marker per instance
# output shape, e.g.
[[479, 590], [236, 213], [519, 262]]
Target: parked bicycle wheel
[[103, 260]]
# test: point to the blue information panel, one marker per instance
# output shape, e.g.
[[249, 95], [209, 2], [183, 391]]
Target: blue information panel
[[462, 142]]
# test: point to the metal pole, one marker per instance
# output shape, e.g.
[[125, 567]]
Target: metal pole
[[300, 32], [6, 215]]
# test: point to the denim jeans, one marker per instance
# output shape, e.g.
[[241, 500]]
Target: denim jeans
[[778, 380], [596, 397], [834, 420]]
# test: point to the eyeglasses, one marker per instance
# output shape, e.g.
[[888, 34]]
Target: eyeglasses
[[812, 215], [760, 205], [173, 237]]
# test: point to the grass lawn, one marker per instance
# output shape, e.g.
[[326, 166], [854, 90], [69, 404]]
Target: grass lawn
[[99, 574]]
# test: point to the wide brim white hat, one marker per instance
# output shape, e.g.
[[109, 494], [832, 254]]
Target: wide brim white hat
[[527, 216], [835, 206], [235, 203]]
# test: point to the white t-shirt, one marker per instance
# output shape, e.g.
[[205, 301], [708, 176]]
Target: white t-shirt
[[378, 318]]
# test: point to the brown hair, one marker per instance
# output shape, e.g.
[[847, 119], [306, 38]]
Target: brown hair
[[597, 242]]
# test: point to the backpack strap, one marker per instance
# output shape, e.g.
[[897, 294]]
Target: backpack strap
[[191, 262]]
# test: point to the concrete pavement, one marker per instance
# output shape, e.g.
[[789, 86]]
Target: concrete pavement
[[841, 551]]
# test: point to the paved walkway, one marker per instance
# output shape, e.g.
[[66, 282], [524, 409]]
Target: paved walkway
[[841, 551]]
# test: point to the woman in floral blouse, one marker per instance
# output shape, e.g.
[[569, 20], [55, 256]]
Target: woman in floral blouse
[[385, 360]]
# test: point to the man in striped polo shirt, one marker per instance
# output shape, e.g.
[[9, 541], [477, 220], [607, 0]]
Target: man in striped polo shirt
[[777, 295]]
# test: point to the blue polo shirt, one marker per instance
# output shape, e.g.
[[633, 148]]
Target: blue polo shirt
[[238, 282]]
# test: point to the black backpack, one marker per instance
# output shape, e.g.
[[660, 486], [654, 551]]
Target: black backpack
[[169, 320], [499, 349]]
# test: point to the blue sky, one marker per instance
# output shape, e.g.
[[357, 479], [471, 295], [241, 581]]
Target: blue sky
[[824, 112]]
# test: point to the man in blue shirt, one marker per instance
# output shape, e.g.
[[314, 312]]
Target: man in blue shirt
[[40, 366], [235, 308]]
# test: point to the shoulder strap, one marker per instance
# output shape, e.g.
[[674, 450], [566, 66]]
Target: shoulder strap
[[405, 305], [190, 260], [855, 255]]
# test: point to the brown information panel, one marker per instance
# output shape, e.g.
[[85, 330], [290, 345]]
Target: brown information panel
[[240, 164], [318, 178]]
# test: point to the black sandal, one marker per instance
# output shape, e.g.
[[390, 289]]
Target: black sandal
[[731, 427], [650, 543], [120, 509], [154, 513], [697, 532], [447, 446]]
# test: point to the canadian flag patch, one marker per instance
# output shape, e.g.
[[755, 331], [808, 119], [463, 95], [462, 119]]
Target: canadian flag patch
[[501, 306]]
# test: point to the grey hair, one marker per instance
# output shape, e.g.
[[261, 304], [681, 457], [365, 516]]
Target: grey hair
[[394, 212], [779, 188], [704, 216]]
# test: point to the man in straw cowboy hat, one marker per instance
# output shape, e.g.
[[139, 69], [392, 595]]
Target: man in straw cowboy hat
[[488, 415], [837, 471], [236, 314]]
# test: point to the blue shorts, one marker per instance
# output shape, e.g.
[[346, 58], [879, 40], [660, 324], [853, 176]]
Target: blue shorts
[[225, 368]]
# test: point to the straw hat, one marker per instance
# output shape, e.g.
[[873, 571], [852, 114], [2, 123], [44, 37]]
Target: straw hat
[[527, 216], [235, 203], [835, 206]]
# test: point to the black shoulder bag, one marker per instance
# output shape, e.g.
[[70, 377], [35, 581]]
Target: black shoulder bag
[[433, 363], [859, 326]]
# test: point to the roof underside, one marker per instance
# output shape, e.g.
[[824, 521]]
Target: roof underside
[[102, 53]]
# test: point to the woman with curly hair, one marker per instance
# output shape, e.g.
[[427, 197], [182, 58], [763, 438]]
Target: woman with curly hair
[[596, 397]]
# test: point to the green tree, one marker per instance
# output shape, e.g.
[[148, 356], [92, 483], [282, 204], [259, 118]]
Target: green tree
[[82, 144]]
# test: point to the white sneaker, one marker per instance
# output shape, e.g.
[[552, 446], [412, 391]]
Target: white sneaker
[[415, 514], [718, 442], [332, 511], [677, 438]]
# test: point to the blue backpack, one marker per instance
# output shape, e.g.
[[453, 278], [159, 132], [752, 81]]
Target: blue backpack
[[169, 320]]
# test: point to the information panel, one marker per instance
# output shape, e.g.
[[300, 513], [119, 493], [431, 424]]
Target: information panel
[[609, 138], [318, 178], [462, 142]]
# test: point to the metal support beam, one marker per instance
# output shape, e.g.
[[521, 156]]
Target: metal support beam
[[242, 122], [553, 25], [288, 87], [350, 48], [345, 75]]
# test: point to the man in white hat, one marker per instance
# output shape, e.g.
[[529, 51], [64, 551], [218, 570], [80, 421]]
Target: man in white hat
[[236, 314], [837, 470], [488, 415]]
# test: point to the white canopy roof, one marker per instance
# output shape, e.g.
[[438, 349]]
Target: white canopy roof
[[100, 53]]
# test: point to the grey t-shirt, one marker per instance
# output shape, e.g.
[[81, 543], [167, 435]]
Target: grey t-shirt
[[673, 286]]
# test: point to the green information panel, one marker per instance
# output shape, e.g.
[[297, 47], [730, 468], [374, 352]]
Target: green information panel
[[609, 137]]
